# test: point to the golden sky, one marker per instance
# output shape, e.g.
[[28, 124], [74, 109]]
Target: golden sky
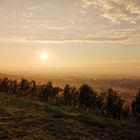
[[90, 35]]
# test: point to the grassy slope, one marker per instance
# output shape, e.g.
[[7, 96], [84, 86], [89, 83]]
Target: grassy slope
[[33, 120]]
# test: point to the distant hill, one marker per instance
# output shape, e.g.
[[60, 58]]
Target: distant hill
[[127, 87]]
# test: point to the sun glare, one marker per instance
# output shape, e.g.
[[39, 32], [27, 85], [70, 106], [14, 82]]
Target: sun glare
[[44, 56]]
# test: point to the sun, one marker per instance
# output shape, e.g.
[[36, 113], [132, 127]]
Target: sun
[[43, 56]]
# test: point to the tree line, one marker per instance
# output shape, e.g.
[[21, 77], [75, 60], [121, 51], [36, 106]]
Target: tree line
[[107, 103]]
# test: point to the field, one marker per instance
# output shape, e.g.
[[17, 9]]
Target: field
[[26, 119]]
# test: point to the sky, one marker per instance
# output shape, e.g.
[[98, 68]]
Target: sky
[[91, 36]]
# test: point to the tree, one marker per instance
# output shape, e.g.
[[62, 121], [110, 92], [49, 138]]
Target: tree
[[33, 88], [4, 85], [114, 104], [75, 97], [48, 92], [23, 88], [126, 112], [87, 97], [135, 106], [67, 95], [101, 99]]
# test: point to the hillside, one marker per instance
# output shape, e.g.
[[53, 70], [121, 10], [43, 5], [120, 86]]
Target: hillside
[[32, 120]]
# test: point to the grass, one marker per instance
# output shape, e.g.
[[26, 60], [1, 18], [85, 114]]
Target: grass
[[26, 119]]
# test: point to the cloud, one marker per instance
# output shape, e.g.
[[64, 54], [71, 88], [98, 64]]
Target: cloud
[[116, 11], [83, 21], [130, 36]]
